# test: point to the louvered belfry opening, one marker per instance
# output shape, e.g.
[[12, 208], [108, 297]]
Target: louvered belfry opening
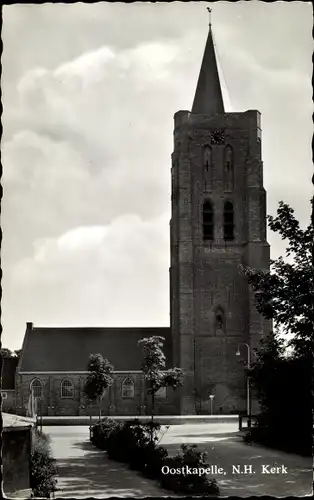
[[228, 221], [208, 221]]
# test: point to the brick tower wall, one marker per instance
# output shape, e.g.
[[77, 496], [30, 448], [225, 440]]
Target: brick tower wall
[[206, 276]]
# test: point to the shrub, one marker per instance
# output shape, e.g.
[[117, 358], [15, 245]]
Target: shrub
[[102, 430], [140, 448], [136, 432], [138, 456], [43, 468], [154, 457], [150, 429], [135, 443], [125, 442], [132, 442], [189, 484]]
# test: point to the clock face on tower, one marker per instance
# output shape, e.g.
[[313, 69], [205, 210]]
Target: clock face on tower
[[217, 137]]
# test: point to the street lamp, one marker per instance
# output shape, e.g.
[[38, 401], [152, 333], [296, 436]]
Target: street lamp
[[211, 397], [248, 402]]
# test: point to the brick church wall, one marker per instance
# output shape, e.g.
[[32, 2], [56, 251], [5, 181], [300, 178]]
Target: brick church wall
[[128, 406], [112, 404], [64, 406]]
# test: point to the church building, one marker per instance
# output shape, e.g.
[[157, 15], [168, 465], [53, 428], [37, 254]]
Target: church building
[[218, 224]]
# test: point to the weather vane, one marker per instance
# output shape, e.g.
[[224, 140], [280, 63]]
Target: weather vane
[[209, 12]]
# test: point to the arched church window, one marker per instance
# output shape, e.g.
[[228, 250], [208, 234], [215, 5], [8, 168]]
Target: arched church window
[[207, 157], [219, 321], [128, 388], [228, 169], [208, 221], [67, 389], [36, 388], [228, 221]]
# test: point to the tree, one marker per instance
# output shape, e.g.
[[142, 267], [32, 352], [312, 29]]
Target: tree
[[263, 369], [11, 354], [285, 419], [286, 292], [154, 368], [99, 379], [43, 469], [312, 220], [312, 201], [6, 352]]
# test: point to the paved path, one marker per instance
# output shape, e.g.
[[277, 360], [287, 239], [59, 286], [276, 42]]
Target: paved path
[[226, 449], [85, 471]]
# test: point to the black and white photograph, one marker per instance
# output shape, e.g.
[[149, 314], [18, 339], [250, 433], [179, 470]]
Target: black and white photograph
[[157, 249]]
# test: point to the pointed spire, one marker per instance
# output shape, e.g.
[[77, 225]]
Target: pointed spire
[[208, 96]]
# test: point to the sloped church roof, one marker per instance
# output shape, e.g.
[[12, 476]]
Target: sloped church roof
[[68, 349]]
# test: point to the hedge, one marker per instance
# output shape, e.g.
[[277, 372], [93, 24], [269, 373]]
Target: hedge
[[136, 444], [43, 469]]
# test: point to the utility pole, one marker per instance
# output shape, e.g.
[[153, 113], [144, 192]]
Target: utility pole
[[248, 392]]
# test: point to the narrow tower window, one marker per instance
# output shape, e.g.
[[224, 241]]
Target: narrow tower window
[[207, 157], [228, 169], [219, 321], [228, 221], [208, 221]]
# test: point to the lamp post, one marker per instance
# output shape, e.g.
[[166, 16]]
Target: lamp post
[[211, 397], [194, 374], [312, 217], [248, 402]]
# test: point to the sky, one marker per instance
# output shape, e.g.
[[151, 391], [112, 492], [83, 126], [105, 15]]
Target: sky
[[89, 92]]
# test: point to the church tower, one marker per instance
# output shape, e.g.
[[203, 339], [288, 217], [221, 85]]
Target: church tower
[[218, 223]]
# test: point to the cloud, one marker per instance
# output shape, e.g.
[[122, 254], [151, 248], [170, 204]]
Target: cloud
[[107, 275], [89, 65], [82, 153]]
